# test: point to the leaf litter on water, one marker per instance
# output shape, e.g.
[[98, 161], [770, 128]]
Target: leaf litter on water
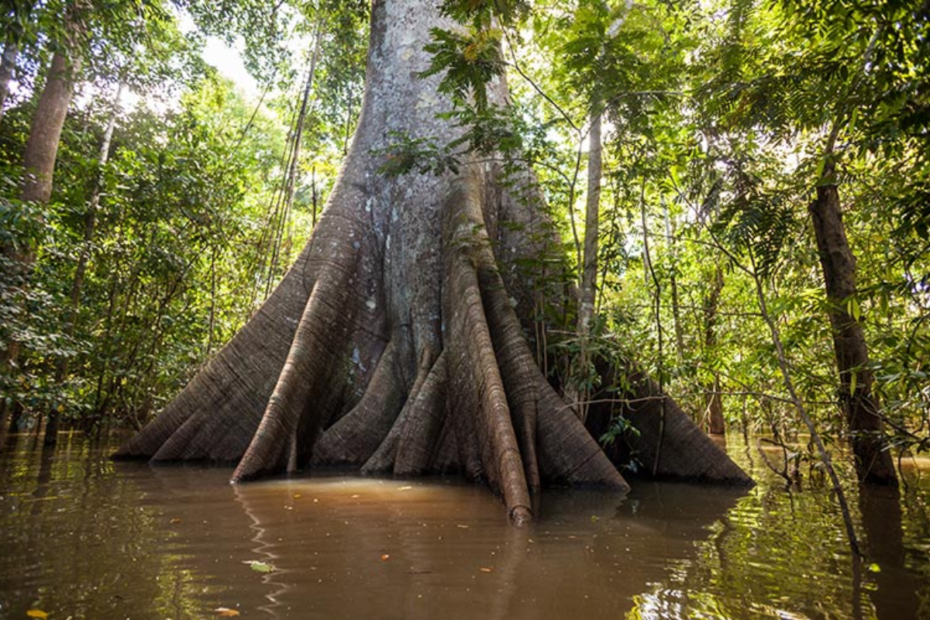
[[260, 567]]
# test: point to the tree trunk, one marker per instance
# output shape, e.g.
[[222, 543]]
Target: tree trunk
[[588, 288], [39, 159], [673, 283], [7, 66], [77, 284], [714, 400], [395, 342], [283, 207], [863, 417], [45, 132], [592, 212]]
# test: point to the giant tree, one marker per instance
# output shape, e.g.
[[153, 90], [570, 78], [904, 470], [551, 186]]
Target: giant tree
[[397, 342]]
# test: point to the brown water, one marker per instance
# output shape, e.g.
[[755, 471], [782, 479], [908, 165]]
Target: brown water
[[83, 537]]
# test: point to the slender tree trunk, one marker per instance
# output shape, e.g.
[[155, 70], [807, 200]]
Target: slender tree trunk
[[77, 284], [863, 415], [39, 157], [314, 196], [45, 133], [7, 67], [650, 272], [588, 288], [290, 182], [714, 400], [396, 342], [212, 325], [673, 283], [592, 213]]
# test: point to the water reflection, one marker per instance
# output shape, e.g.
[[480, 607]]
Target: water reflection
[[83, 537], [880, 508], [405, 549]]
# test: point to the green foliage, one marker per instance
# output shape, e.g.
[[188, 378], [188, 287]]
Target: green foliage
[[467, 62], [422, 155], [481, 13], [756, 220], [175, 245], [719, 120]]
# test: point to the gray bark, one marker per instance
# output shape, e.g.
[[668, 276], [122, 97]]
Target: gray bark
[[396, 342], [7, 66]]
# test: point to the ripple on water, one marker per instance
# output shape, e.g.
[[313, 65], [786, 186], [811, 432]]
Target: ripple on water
[[85, 537]]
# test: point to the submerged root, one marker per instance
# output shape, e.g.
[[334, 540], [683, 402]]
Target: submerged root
[[324, 327], [668, 444], [479, 397], [475, 403], [216, 415], [418, 444], [384, 458], [355, 437]]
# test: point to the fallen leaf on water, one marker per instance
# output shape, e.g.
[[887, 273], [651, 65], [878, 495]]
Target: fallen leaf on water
[[36, 613], [175, 521], [226, 612], [464, 527], [595, 518], [355, 496], [486, 570], [405, 488], [296, 496], [385, 557], [260, 567]]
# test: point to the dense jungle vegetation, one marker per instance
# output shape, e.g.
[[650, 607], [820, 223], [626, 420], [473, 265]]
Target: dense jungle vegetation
[[688, 152]]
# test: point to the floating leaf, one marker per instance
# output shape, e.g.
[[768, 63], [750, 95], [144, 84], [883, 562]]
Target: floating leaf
[[484, 569], [260, 567], [464, 527], [36, 613], [296, 496], [595, 518], [226, 612], [175, 521], [875, 568], [405, 488], [385, 557]]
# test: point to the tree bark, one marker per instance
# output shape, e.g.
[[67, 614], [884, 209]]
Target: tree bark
[[714, 400], [47, 124], [592, 212], [7, 67], [396, 342], [588, 288], [39, 157], [863, 417]]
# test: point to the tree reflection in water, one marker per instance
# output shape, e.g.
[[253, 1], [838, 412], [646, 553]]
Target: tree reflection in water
[[85, 537]]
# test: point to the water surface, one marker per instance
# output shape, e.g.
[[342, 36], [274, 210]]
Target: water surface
[[84, 537]]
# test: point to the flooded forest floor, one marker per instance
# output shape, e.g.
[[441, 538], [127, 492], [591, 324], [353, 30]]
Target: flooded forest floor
[[84, 537]]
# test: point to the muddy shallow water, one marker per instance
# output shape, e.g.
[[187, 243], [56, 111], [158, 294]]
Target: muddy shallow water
[[84, 537]]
